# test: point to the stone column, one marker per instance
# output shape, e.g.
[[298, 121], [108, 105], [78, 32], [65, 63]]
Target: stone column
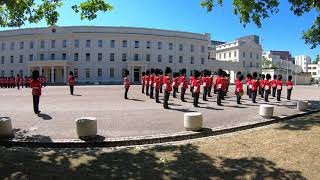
[[40, 70], [52, 74], [65, 74], [28, 73]]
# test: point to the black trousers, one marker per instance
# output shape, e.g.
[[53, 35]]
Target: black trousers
[[278, 94], [274, 90], [289, 94], [209, 91], [151, 92], [175, 90], [248, 90], [204, 94], [147, 90], [143, 86], [183, 92], [191, 90], [254, 95], [157, 91], [166, 99], [196, 99], [215, 89], [71, 89], [238, 97], [18, 85], [266, 95], [219, 97], [250, 93], [259, 89], [262, 92], [160, 88], [126, 93], [36, 100]]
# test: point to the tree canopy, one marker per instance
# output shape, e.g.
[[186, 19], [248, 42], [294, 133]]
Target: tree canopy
[[317, 59], [257, 10]]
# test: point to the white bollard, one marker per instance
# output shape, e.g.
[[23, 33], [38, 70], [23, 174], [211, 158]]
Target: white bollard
[[302, 105], [193, 121], [266, 111], [5, 127], [87, 127]]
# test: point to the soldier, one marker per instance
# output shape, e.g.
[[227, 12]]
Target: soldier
[[289, 85], [261, 82], [147, 78], [71, 82], [279, 87], [44, 81], [239, 87], [254, 87], [151, 81], [18, 81], [157, 84], [191, 83], [184, 84], [161, 80], [21, 81], [219, 89], [248, 80], [143, 82], [267, 87], [196, 88], [205, 85], [224, 84], [210, 81], [35, 84], [167, 87], [175, 84], [126, 83], [274, 85]]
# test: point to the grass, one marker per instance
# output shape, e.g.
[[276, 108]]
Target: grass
[[288, 150]]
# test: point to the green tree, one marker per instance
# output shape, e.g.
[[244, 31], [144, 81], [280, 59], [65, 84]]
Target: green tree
[[317, 59], [15, 13], [257, 10]]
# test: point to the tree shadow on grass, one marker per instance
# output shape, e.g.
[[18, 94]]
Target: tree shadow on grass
[[301, 124], [171, 162]]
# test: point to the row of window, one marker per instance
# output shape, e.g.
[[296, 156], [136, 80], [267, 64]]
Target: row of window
[[250, 65], [137, 57], [137, 44], [235, 55]]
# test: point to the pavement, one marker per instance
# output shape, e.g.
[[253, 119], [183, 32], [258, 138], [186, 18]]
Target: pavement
[[138, 116]]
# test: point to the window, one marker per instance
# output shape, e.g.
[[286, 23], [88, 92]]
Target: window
[[75, 72], [257, 57], [192, 60], [251, 64], [136, 57], [136, 44], [31, 44], [202, 60], [235, 53], [220, 56], [244, 64], [170, 46], [76, 43], [170, 59], [76, 57], [192, 48], [100, 43], [88, 44], [21, 59], [229, 55], [111, 56], [112, 43], [148, 44], [87, 73], [159, 45], [42, 44], [31, 57], [202, 49], [244, 54], [87, 57], [21, 45], [111, 72], [64, 43], [99, 57], [124, 57], [11, 73], [250, 54], [159, 58], [2, 59], [180, 59], [257, 65], [148, 57], [99, 73], [3, 46], [52, 56], [124, 43], [11, 59], [53, 44], [225, 55], [2, 73], [41, 57], [12, 46], [314, 73], [21, 73], [64, 56], [180, 47]]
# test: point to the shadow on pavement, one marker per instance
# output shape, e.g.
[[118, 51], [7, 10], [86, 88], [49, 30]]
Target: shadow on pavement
[[22, 135], [302, 124], [185, 162], [44, 116]]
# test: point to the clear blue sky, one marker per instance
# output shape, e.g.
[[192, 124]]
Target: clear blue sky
[[282, 31]]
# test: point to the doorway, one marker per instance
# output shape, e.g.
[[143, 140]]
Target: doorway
[[136, 74]]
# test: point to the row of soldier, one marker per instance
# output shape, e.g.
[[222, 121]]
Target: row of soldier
[[153, 82], [13, 82]]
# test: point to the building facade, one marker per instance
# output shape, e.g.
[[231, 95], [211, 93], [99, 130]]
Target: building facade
[[314, 71], [303, 61], [99, 54]]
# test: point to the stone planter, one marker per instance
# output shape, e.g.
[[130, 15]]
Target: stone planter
[[5, 127], [193, 121], [302, 105], [266, 111], [87, 127]]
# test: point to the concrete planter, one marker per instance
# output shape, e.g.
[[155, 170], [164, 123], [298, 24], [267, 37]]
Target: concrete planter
[[87, 127], [193, 121], [5, 127], [266, 111], [302, 105]]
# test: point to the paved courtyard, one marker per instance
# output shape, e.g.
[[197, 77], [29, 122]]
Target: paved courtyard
[[139, 116]]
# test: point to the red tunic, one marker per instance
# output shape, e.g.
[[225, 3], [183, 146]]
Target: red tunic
[[143, 80], [157, 83], [261, 83], [289, 84], [126, 82], [274, 83], [239, 87], [36, 87], [191, 80], [151, 80], [147, 80], [254, 84], [175, 83], [196, 85], [218, 83], [167, 83], [71, 80], [205, 82], [279, 85], [267, 85], [183, 82]]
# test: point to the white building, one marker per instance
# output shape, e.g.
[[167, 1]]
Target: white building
[[303, 61], [314, 70], [279, 60], [99, 54]]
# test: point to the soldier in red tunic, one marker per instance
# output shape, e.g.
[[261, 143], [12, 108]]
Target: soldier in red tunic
[[147, 78], [254, 87], [248, 80], [261, 83], [35, 84], [71, 82], [18, 81], [205, 85], [151, 81], [157, 84], [274, 85], [219, 89], [279, 87], [239, 87], [175, 84], [184, 84], [167, 87], [143, 81], [126, 83], [161, 80], [191, 83], [196, 88], [289, 85], [210, 83], [267, 87]]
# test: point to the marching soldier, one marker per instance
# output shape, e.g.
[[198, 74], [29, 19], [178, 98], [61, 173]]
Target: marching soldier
[[205, 84], [71, 82], [184, 84], [248, 81], [261, 83], [267, 87], [161, 80], [151, 81], [289, 85], [239, 87], [175, 84], [191, 83], [254, 87], [126, 83], [219, 89], [18, 81], [147, 78], [143, 83], [36, 86], [274, 85], [157, 85], [279, 87], [196, 88], [167, 87], [210, 84]]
